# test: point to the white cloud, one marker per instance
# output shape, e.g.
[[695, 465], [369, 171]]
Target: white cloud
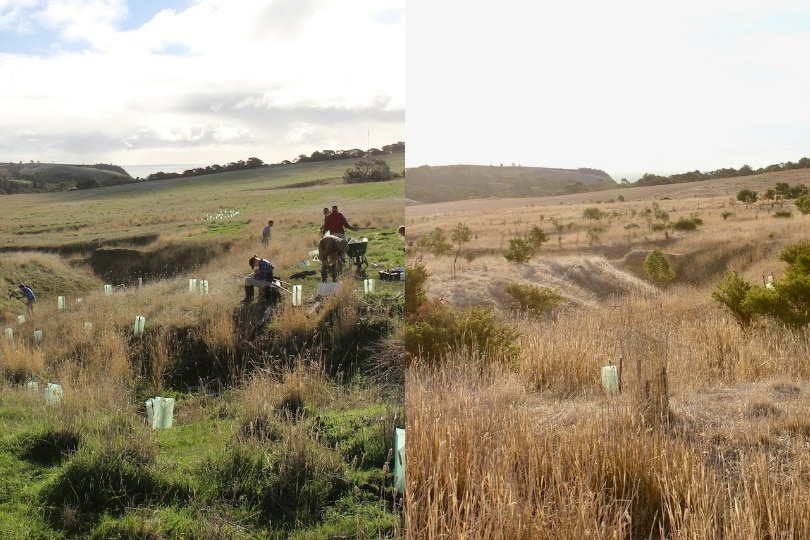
[[206, 79]]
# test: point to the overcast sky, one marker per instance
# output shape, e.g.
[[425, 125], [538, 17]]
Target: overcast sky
[[625, 86], [198, 81]]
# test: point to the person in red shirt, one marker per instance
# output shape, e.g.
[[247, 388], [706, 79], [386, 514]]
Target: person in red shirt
[[336, 224]]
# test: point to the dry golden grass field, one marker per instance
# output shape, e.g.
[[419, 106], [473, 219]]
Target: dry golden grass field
[[709, 436]]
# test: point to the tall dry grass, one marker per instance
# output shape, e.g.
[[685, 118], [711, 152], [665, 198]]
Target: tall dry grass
[[709, 437]]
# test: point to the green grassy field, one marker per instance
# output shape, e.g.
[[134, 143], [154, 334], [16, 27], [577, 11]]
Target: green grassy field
[[282, 427]]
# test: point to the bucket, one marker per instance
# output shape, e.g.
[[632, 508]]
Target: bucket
[[20, 319], [53, 394], [203, 286], [399, 460], [38, 336], [610, 379], [60, 302], [160, 412], [368, 286], [192, 285], [10, 333], [108, 290]]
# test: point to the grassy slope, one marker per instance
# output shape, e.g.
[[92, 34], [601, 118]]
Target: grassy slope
[[205, 428], [153, 208]]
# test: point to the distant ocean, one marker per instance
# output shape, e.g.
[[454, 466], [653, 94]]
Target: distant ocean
[[142, 171]]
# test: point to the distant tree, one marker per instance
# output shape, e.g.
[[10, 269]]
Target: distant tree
[[460, 235], [747, 196], [434, 242], [536, 238], [592, 213], [368, 170]]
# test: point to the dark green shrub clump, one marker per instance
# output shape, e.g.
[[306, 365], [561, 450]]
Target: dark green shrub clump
[[290, 482], [533, 300], [436, 329], [50, 446], [108, 479]]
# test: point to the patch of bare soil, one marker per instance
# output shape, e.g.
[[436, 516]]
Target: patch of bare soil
[[583, 281]]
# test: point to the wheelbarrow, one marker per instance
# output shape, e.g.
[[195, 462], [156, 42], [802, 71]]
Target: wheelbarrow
[[357, 255]]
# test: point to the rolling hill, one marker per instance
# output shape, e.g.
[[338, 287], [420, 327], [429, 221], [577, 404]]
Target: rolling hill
[[430, 184]]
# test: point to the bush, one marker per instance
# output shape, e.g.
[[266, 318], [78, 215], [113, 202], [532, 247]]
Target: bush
[[731, 293], [685, 224], [435, 329], [787, 300], [657, 266], [533, 300], [519, 251], [783, 214], [368, 170]]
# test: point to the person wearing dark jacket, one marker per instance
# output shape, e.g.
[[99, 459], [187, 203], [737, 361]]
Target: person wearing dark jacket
[[30, 298], [262, 276]]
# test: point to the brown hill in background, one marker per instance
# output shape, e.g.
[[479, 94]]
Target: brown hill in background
[[429, 184]]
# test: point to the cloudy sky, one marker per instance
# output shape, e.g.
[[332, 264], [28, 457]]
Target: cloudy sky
[[625, 86], [134, 82]]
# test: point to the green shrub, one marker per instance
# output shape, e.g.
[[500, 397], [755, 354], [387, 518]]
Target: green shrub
[[533, 300], [731, 293], [657, 266], [685, 224], [783, 214], [592, 212], [415, 286], [786, 300], [519, 251], [435, 329]]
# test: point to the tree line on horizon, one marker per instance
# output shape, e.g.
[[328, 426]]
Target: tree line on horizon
[[256, 163], [35, 177], [650, 179]]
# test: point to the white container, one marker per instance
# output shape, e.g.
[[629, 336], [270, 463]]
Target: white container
[[88, 326], [60, 302], [296, 295], [21, 319], [610, 379], [38, 336], [192, 285], [160, 412], [53, 394], [368, 286], [32, 386], [10, 333], [108, 290], [399, 460], [140, 322], [203, 286]]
